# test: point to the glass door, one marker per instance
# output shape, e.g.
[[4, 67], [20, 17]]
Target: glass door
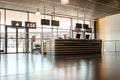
[[21, 40], [11, 40]]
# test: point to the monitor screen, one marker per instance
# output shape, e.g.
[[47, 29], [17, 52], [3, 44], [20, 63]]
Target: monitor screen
[[45, 22], [54, 23], [77, 35], [78, 25], [85, 26]]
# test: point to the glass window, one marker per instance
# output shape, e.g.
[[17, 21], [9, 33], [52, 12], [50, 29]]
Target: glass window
[[62, 32], [47, 34], [48, 18], [55, 32], [2, 30], [2, 16], [35, 18], [87, 22], [77, 21], [15, 15], [65, 23]]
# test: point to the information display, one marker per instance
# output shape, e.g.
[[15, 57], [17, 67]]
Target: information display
[[16, 23], [30, 25]]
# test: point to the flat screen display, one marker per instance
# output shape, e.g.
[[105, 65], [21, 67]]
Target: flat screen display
[[85, 26], [54, 23], [77, 35], [45, 22], [78, 25]]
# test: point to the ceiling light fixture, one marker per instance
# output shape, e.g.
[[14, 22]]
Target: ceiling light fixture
[[64, 1], [38, 12]]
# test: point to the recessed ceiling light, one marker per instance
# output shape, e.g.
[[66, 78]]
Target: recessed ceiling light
[[64, 1]]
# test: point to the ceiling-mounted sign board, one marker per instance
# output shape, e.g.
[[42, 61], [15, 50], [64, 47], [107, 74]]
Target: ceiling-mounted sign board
[[30, 25], [45, 22], [54, 23], [16, 24]]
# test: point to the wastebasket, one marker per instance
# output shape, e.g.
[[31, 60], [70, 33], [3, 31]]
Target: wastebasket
[[44, 48]]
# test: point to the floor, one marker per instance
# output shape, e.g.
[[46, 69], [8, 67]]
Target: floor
[[63, 67]]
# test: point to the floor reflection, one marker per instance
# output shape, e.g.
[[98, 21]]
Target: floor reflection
[[61, 67], [23, 63], [79, 67]]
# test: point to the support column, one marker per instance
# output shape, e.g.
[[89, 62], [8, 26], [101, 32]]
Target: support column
[[5, 39], [16, 40], [27, 40], [27, 37]]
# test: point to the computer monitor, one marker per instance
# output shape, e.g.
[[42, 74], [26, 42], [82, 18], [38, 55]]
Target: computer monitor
[[45, 22], [87, 36], [85, 26], [77, 36], [78, 25]]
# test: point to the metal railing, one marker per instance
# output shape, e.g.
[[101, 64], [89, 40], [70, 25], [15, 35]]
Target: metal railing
[[111, 45]]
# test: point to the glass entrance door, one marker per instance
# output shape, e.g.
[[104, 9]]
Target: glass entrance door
[[15, 40], [21, 40], [11, 40]]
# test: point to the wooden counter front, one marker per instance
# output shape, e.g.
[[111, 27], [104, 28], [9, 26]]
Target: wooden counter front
[[73, 46]]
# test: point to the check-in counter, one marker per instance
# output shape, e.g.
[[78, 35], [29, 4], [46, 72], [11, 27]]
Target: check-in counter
[[81, 46]]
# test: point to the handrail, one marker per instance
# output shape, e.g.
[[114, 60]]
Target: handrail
[[114, 44]]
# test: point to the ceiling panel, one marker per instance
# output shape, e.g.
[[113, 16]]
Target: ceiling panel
[[91, 8]]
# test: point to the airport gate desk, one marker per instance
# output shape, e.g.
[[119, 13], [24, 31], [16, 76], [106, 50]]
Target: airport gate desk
[[78, 46]]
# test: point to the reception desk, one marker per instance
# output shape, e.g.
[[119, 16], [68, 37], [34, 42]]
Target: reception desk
[[81, 46]]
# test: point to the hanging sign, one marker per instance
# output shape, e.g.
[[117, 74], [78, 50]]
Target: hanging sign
[[78, 25], [30, 25], [16, 23], [54, 23], [45, 22]]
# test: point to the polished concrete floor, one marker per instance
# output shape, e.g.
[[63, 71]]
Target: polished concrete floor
[[63, 67]]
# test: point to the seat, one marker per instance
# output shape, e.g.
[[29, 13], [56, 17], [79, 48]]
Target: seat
[[87, 36], [77, 36], [37, 47]]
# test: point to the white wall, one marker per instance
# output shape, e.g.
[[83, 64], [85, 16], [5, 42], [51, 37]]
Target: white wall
[[113, 27], [112, 32]]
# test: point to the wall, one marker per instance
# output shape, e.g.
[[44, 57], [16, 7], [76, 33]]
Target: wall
[[101, 28], [113, 27], [108, 29]]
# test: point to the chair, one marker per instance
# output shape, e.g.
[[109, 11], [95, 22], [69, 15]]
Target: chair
[[78, 36], [37, 47], [87, 36]]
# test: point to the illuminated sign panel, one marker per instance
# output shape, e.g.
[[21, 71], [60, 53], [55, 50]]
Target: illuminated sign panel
[[16, 23], [45, 22], [54, 23], [30, 25]]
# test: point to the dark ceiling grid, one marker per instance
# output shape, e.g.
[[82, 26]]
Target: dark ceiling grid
[[93, 8]]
